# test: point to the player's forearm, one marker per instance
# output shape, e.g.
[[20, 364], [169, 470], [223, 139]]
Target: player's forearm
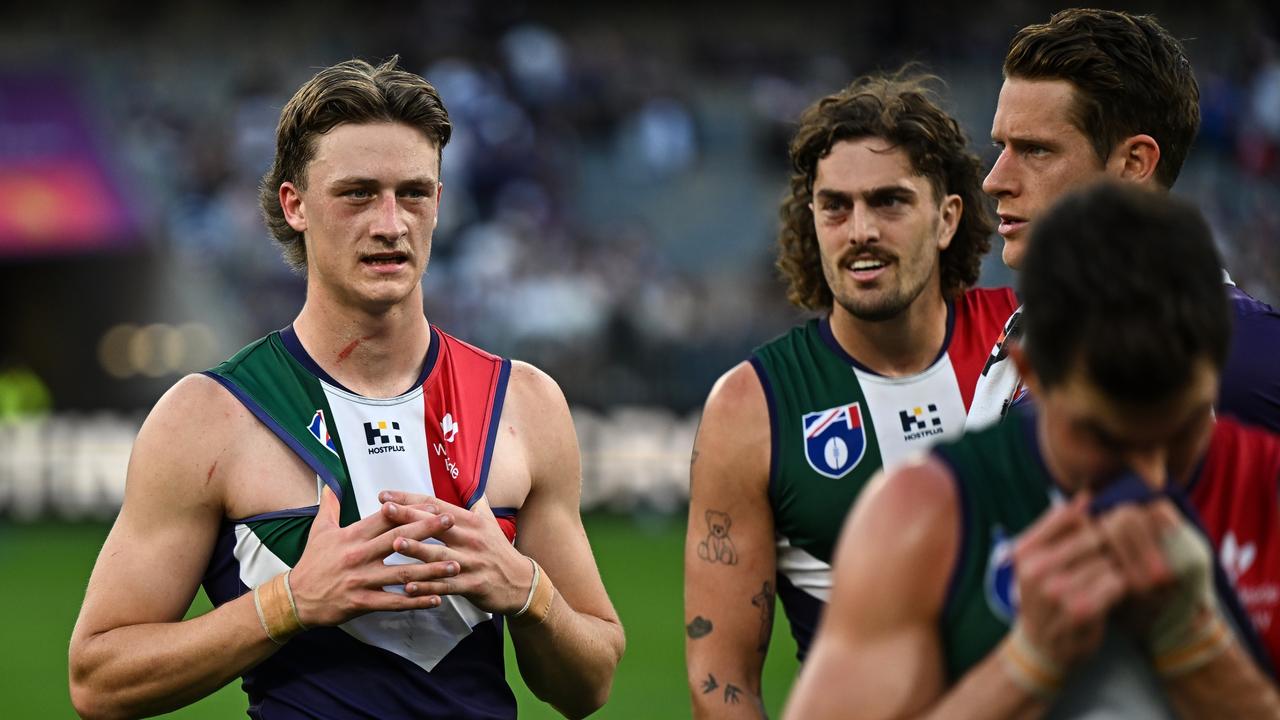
[[987, 691], [725, 695], [568, 659], [143, 670], [1229, 686], [724, 666]]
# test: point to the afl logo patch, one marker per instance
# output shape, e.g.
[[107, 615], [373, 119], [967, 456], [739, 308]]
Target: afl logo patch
[[834, 440]]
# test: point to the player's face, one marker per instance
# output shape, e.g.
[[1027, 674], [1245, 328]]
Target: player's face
[[880, 228], [367, 214], [1042, 157], [1088, 438]]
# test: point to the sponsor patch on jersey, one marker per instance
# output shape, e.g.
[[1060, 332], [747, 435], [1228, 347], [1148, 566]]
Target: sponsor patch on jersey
[[382, 437], [1237, 557], [448, 427], [917, 423], [320, 431], [834, 440], [998, 581]]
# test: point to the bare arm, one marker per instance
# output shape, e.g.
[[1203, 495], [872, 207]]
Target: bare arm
[[729, 559], [569, 658], [1230, 686], [131, 654], [878, 648]]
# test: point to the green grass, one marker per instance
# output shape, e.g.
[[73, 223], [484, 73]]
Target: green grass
[[44, 568]]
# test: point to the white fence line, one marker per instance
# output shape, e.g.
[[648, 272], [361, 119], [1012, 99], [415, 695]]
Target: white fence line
[[72, 467]]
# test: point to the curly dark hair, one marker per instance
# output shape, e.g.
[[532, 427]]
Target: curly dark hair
[[1131, 76], [350, 92], [901, 108]]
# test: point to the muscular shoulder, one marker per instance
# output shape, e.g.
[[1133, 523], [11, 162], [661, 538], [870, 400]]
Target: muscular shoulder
[[536, 411], [195, 406], [187, 431], [910, 516], [734, 435]]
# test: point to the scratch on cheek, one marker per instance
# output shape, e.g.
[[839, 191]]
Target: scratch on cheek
[[209, 477]]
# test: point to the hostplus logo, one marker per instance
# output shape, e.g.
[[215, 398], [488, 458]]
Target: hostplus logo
[[382, 439], [917, 424]]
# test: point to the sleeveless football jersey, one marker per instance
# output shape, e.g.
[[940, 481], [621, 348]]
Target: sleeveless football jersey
[[1003, 487], [834, 423], [1236, 495], [437, 438]]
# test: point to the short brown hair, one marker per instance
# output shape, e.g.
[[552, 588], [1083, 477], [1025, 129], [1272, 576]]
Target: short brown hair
[[349, 92], [901, 109], [1130, 75]]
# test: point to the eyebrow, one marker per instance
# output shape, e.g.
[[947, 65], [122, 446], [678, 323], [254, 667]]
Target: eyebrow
[[1044, 141], [880, 191]]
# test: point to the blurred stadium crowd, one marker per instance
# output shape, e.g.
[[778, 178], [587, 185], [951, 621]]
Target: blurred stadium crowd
[[610, 190]]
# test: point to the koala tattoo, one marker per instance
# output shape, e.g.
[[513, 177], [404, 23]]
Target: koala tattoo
[[718, 547]]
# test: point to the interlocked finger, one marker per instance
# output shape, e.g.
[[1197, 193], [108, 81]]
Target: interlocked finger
[[409, 573], [426, 526]]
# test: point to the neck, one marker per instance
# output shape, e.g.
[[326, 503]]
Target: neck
[[904, 345], [376, 354]]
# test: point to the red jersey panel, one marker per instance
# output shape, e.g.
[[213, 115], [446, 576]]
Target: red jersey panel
[[980, 317], [1237, 498]]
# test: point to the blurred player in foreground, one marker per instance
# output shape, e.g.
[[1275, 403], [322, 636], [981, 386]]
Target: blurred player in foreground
[[1113, 605], [884, 230], [348, 488]]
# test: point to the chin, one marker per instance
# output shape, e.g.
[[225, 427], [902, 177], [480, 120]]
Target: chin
[[1011, 254]]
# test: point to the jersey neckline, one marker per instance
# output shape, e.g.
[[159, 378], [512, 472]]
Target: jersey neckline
[[289, 338], [829, 339]]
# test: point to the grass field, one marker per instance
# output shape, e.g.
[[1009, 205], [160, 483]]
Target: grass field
[[44, 567]]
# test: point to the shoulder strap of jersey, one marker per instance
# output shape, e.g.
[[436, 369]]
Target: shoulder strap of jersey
[[464, 394], [289, 401]]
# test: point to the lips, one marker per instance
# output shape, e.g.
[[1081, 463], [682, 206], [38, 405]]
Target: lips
[[865, 266], [1011, 225], [385, 262]]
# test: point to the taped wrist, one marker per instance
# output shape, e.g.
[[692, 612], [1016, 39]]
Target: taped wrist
[[1029, 668], [276, 608], [1179, 624], [538, 605]]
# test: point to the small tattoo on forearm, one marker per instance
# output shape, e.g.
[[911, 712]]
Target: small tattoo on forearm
[[764, 601], [731, 693], [718, 547], [709, 685], [698, 627]]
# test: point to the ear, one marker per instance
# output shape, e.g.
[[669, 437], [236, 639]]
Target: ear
[[1135, 159], [709, 512], [295, 211], [949, 219]]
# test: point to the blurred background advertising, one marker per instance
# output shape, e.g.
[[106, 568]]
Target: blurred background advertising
[[609, 212]]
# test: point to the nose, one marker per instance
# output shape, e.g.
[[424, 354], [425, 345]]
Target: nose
[[388, 220], [1000, 182], [1152, 465], [863, 225]]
